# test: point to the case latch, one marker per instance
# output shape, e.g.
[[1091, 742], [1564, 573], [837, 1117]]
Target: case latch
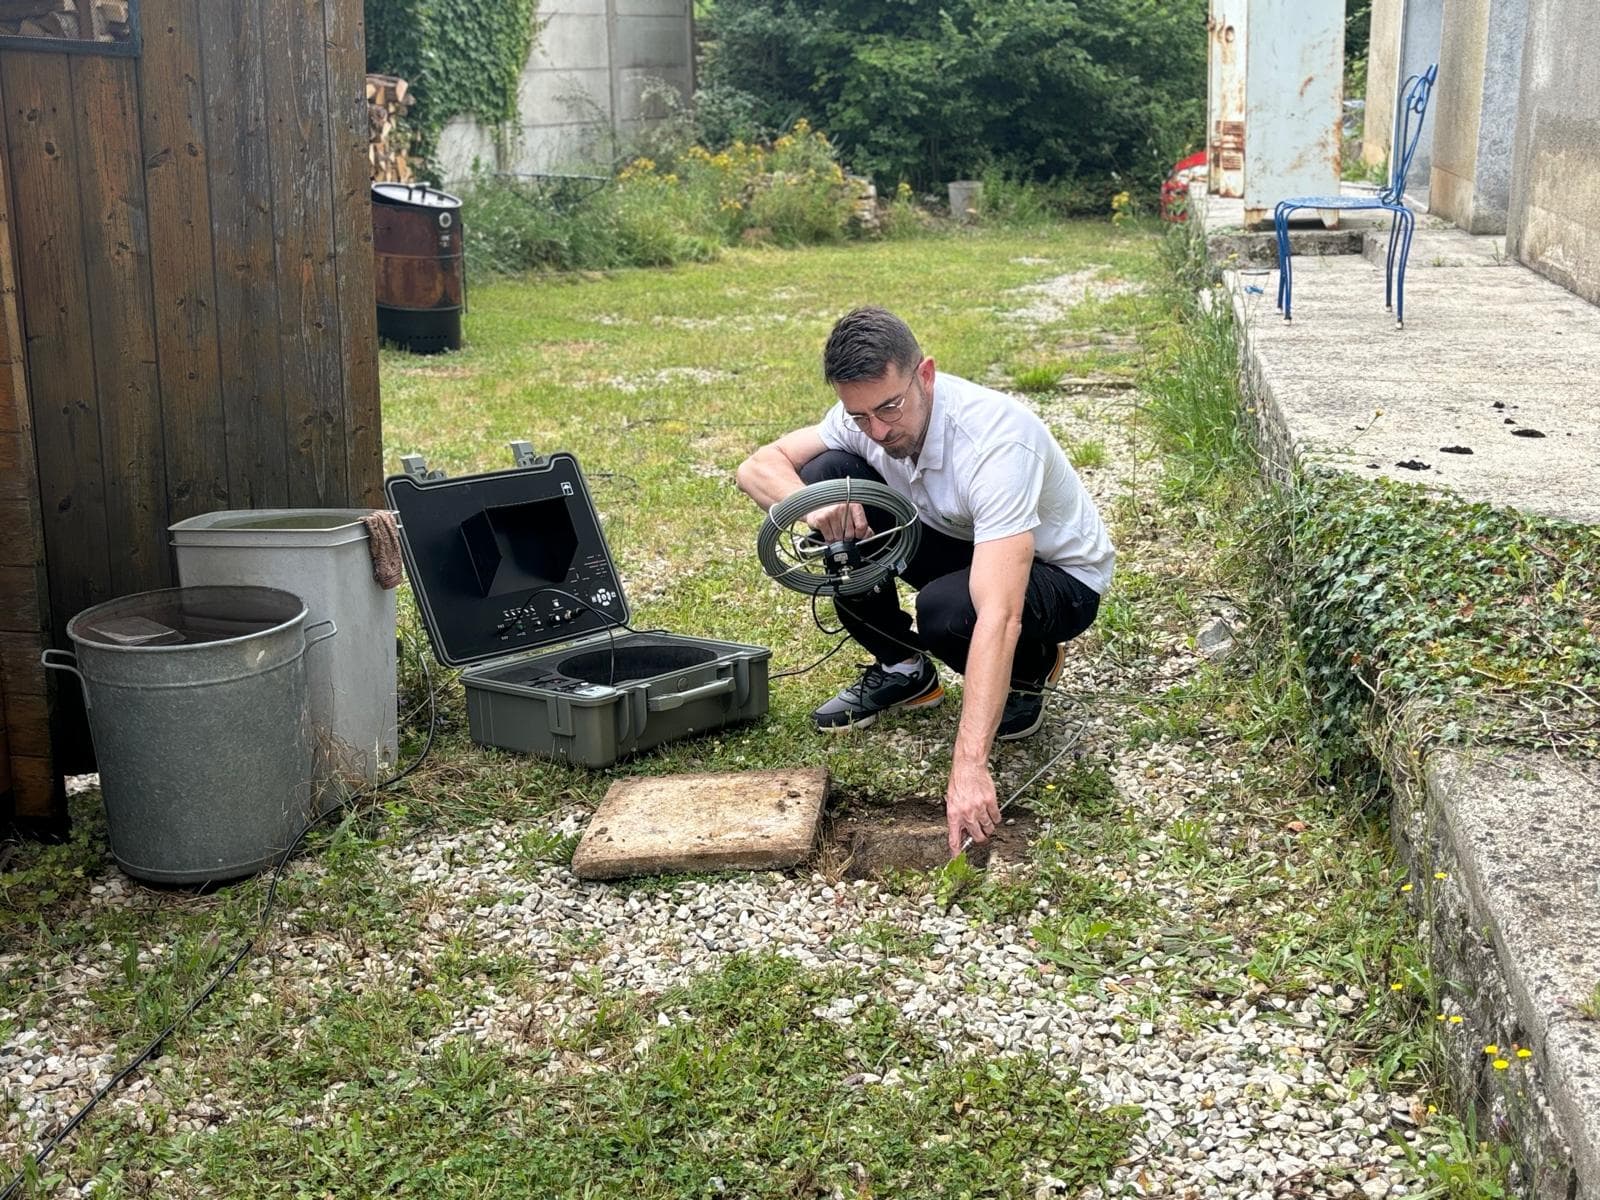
[[522, 455], [416, 467]]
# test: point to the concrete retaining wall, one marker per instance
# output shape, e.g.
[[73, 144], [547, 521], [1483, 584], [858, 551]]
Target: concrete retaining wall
[[1553, 223], [583, 88]]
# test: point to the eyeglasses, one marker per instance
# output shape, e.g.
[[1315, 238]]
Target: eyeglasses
[[890, 411]]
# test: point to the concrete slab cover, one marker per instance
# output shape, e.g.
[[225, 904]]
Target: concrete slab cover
[[754, 820]]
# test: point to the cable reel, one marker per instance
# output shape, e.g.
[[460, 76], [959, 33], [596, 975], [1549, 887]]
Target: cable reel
[[798, 558]]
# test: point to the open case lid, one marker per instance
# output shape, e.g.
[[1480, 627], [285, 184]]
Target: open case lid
[[506, 561]]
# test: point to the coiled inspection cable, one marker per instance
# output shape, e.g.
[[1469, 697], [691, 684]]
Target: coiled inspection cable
[[802, 563], [155, 1043]]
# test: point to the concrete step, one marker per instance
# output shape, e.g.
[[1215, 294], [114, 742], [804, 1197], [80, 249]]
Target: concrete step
[[1440, 248]]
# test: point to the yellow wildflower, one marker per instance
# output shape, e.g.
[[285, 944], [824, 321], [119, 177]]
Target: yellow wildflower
[[1441, 875], [1524, 1052], [1491, 1048], [1397, 987], [1405, 887], [1456, 1019], [1500, 1064]]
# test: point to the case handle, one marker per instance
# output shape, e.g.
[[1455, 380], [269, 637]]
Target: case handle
[[716, 687], [71, 667]]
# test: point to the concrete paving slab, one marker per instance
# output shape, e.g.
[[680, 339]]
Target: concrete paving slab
[[751, 820], [1474, 339]]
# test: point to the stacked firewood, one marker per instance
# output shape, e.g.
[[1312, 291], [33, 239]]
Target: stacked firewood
[[388, 98], [77, 20]]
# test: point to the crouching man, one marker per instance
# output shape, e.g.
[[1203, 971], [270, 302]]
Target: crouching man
[[1013, 556]]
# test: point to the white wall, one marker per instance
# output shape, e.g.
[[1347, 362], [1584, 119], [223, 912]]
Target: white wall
[[582, 85]]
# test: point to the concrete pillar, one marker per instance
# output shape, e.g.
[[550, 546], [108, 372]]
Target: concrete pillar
[[1480, 69], [1553, 223], [1225, 98], [1383, 65], [1421, 28], [1294, 77]]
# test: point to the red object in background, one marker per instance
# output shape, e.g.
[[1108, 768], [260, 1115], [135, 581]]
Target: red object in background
[[1175, 191]]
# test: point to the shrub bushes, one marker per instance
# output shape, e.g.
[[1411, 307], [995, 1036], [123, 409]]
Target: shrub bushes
[[680, 207], [933, 90]]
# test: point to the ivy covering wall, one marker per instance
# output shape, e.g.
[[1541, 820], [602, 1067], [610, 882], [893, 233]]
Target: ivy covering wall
[[461, 57]]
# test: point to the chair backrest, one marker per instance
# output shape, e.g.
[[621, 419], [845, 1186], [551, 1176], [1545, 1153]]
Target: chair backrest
[[1414, 106]]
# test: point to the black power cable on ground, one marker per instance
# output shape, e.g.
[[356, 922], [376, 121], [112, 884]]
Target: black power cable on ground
[[155, 1044]]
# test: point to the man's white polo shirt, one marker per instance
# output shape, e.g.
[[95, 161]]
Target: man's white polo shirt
[[988, 469]]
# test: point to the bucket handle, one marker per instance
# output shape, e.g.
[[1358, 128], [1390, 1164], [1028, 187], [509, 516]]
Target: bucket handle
[[321, 637], [71, 667]]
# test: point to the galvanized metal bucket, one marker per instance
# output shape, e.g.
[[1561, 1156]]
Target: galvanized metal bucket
[[198, 707]]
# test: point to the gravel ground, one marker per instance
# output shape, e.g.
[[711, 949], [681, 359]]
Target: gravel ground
[[1242, 1097]]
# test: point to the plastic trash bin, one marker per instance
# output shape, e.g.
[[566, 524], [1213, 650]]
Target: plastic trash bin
[[321, 555], [197, 705]]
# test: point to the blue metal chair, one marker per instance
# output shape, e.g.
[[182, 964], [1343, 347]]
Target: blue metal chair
[[1391, 199]]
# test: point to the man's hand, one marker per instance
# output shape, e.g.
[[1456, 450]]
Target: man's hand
[[839, 521], [970, 806]]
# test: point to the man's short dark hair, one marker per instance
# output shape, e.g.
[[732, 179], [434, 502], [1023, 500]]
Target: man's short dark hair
[[865, 343]]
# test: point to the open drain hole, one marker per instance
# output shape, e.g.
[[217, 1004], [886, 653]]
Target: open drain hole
[[870, 841]]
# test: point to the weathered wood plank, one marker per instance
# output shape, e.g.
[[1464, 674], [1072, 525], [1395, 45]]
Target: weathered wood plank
[[27, 720], [16, 466], [31, 792], [36, 793], [19, 664], [48, 224], [116, 243], [19, 545], [297, 107], [352, 240], [242, 196], [173, 125], [19, 598], [7, 794]]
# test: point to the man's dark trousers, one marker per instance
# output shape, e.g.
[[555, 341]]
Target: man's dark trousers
[[1057, 606]]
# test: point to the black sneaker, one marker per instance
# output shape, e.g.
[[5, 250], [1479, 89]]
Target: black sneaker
[[1021, 717], [878, 691]]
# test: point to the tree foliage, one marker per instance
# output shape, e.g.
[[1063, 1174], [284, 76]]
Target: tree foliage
[[931, 90]]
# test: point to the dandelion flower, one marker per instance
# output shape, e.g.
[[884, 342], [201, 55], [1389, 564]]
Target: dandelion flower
[[1440, 1017], [1397, 987], [1491, 1048], [1441, 875], [1456, 1018], [1500, 1064], [1524, 1052], [1405, 887]]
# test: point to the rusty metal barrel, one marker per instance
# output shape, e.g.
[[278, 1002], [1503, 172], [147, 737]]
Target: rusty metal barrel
[[421, 273]]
